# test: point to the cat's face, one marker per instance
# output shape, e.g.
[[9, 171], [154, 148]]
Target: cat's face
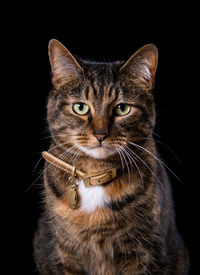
[[98, 108]]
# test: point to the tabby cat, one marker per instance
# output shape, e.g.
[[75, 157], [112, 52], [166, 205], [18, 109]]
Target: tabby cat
[[101, 117]]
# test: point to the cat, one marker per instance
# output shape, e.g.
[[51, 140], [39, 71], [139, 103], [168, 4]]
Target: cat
[[101, 117]]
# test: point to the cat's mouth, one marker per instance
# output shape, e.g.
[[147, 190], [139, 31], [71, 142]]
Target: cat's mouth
[[98, 152]]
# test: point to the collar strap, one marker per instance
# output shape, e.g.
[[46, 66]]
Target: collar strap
[[89, 179]]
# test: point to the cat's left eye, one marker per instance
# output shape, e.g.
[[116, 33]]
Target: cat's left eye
[[122, 109], [81, 108]]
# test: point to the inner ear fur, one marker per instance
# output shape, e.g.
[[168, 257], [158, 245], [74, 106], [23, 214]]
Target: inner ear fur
[[141, 66]]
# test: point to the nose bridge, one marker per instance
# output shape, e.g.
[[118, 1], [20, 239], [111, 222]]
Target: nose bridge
[[101, 124], [101, 117]]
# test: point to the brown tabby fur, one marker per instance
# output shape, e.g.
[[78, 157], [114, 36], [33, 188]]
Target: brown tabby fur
[[135, 231]]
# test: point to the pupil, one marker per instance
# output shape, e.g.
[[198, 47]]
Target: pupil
[[122, 107], [80, 106]]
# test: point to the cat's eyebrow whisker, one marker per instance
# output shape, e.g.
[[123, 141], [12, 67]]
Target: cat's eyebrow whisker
[[155, 157]]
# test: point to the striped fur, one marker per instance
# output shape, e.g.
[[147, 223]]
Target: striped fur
[[129, 228]]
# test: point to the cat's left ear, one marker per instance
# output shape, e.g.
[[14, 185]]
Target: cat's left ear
[[141, 67], [64, 66]]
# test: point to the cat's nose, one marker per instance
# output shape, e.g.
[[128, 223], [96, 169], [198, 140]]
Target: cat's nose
[[100, 136]]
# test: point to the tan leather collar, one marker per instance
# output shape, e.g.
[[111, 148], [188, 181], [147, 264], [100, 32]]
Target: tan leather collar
[[89, 179]]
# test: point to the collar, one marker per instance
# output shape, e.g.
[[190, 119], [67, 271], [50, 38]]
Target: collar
[[89, 179]]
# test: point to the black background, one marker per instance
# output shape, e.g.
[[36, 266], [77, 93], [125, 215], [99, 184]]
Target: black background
[[101, 34]]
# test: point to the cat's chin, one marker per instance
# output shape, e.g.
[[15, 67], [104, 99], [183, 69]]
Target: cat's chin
[[99, 152]]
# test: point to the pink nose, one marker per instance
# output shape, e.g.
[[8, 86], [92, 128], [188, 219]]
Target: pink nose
[[100, 136]]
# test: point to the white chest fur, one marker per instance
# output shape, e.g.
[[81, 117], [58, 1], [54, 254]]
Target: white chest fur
[[92, 197]]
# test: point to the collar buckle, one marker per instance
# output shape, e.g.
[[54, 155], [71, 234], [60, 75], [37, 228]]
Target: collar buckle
[[99, 179]]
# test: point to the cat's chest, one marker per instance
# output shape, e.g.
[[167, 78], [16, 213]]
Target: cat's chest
[[92, 197]]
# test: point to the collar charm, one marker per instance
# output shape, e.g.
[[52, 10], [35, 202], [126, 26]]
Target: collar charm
[[73, 193], [89, 179]]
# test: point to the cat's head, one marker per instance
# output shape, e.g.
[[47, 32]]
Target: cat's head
[[99, 107]]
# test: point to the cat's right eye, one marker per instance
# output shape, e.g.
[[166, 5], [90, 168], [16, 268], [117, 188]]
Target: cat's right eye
[[81, 108]]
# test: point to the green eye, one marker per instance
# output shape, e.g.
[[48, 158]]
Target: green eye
[[122, 109], [81, 108]]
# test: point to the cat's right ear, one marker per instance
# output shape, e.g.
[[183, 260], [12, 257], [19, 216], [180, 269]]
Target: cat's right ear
[[64, 66]]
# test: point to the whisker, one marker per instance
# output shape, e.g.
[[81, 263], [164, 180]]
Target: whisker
[[124, 157], [50, 151], [138, 169], [122, 163], [70, 151], [36, 179], [76, 156], [60, 145], [155, 134], [148, 169], [165, 145], [155, 157], [64, 155], [128, 156], [48, 165], [52, 136]]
